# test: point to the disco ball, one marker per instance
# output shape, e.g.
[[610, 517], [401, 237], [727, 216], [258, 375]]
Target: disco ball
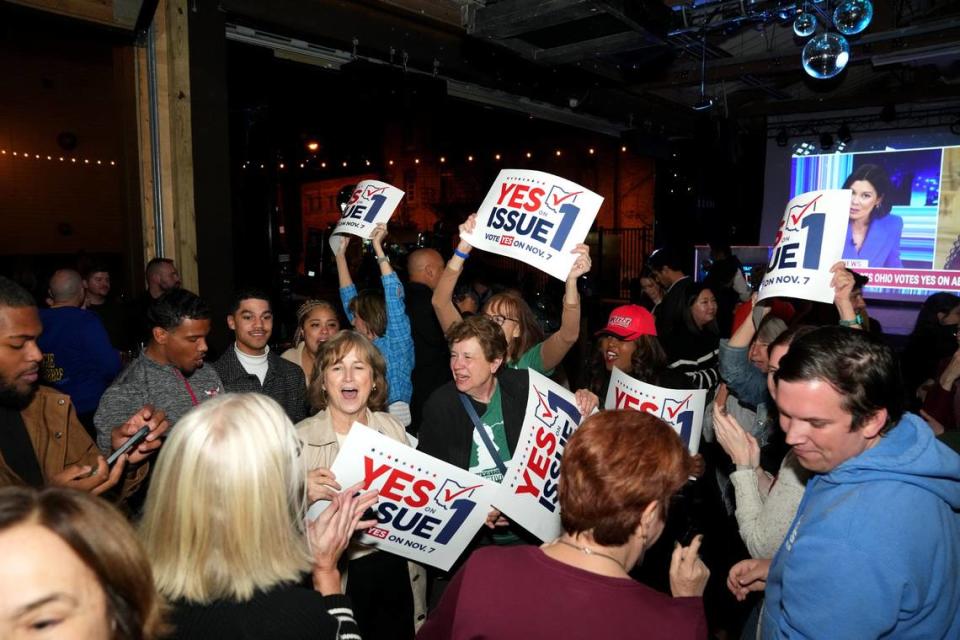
[[825, 55], [804, 24], [853, 16]]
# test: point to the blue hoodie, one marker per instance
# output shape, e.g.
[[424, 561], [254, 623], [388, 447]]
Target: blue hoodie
[[874, 550]]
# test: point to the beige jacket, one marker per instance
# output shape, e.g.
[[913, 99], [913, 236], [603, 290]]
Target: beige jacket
[[320, 449], [295, 355]]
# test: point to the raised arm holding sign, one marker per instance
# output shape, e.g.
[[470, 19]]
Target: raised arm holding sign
[[553, 349]]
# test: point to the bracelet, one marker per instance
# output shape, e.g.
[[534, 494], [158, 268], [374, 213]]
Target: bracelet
[[383, 259], [850, 323], [461, 254]]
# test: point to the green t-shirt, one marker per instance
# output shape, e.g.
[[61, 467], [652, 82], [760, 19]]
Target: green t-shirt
[[532, 359], [481, 462]]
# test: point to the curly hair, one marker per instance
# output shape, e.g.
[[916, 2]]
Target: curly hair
[[647, 364]]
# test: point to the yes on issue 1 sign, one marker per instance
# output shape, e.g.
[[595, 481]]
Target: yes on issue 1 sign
[[528, 494], [372, 203], [809, 241], [682, 409], [535, 217], [428, 510]]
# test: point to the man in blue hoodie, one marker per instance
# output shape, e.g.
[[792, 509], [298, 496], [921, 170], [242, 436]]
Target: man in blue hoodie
[[874, 550]]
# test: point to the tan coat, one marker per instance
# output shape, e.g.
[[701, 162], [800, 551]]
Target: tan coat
[[320, 449], [59, 440]]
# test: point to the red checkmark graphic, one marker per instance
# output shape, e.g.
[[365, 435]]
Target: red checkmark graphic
[[557, 199], [546, 413], [447, 496], [673, 413], [796, 218], [372, 191]]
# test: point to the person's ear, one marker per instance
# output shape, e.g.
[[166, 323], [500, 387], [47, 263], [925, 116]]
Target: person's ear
[[648, 519], [495, 365], [160, 335], [231, 323], [874, 424]]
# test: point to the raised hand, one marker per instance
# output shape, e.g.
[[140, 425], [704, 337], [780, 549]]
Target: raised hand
[[742, 447], [688, 573], [582, 264], [378, 236]]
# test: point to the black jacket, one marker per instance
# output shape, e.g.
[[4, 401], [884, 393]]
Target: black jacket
[[284, 382], [446, 431], [431, 354]]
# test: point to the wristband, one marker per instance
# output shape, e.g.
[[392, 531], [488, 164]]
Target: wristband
[[383, 259], [461, 254], [851, 323]]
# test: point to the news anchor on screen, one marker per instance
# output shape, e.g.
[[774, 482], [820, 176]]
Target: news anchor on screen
[[873, 235]]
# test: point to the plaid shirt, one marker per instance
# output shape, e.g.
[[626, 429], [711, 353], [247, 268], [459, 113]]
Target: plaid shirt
[[397, 345]]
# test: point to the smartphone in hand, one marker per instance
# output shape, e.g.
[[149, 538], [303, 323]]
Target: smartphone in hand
[[134, 440]]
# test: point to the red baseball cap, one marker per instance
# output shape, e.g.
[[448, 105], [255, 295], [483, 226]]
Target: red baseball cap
[[629, 322]]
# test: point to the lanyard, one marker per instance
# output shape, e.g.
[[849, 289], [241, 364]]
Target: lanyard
[[483, 433], [193, 396]]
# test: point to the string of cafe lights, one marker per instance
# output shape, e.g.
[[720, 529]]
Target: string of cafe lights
[[24, 155], [314, 163]]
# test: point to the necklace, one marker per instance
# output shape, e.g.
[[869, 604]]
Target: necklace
[[587, 551]]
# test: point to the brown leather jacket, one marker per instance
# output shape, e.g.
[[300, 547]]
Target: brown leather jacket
[[59, 441]]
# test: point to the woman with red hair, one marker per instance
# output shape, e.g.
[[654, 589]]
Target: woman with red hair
[[619, 471]]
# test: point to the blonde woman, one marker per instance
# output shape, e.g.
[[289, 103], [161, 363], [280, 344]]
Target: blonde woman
[[223, 528], [317, 322], [350, 385]]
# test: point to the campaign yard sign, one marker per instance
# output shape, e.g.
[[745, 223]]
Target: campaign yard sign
[[372, 203], [428, 510], [528, 494], [682, 409], [809, 241], [535, 217]]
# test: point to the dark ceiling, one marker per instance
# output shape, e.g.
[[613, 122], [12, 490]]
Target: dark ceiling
[[629, 64]]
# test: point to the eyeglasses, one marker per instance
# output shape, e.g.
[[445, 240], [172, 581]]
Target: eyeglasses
[[499, 319]]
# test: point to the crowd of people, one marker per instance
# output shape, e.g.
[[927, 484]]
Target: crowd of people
[[155, 494]]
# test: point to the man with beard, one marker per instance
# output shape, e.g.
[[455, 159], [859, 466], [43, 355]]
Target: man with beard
[[169, 373], [251, 366], [41, 440]]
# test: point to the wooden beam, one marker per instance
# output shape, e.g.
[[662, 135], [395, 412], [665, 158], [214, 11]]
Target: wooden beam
[[174, 151], [113, 13]]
